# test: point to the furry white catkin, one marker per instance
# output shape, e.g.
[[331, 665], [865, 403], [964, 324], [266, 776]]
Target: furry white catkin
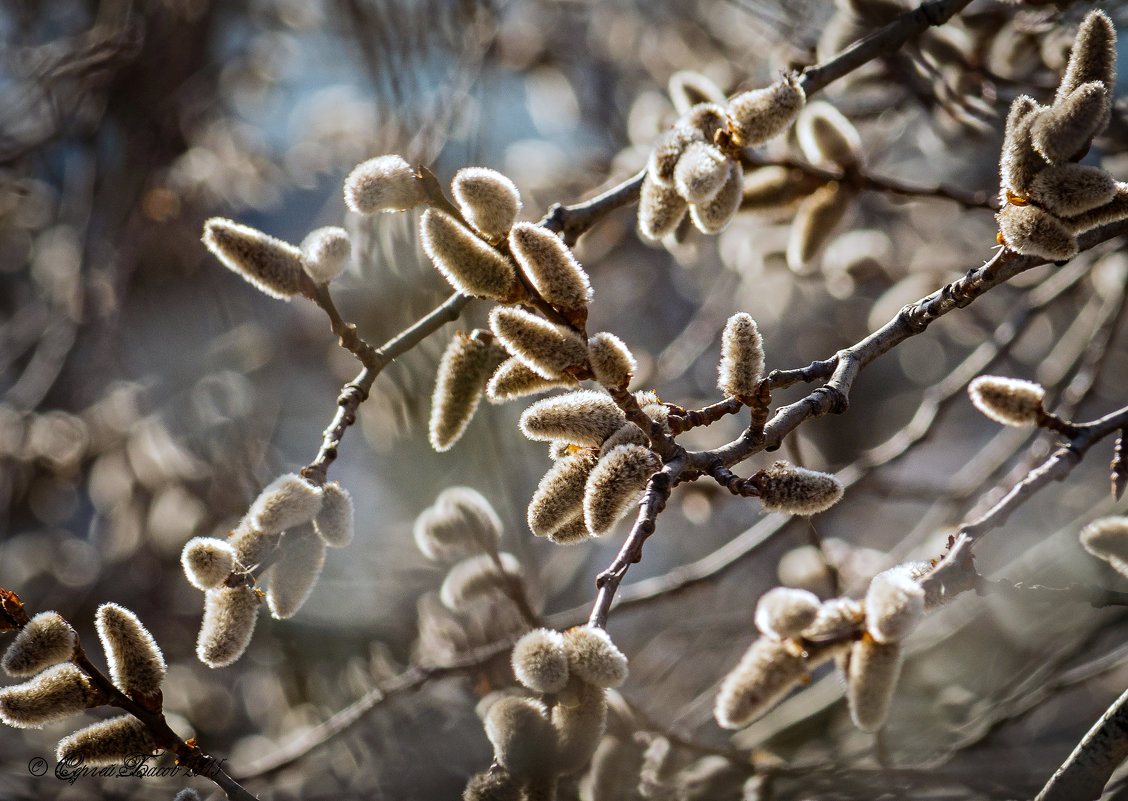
[[894, 604], [767, 671], [470, 265], [325, 253], [287, 501], [385, 183], [784, 612], [544, 347], [461, 377], [229, 623], [487, 199], [295, 572], [1009, 401], [559, 497], [593, 657], [137, 665], [107, 742], [540, 661], [797, 490], [274, 267], [1107, 539], [460, 523], [207, 561], [334, 521], [615, 484], [550, 265], [584, 418], [742, 358], [56, 693], [45, 640]]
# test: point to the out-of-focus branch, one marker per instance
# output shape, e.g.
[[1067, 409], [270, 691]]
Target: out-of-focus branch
[[1086, 771]]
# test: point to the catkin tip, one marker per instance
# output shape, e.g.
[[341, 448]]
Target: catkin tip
[[1010, 401], [488, 200], [325, 253], [385, 183], [137, 665], [45, 640], [207, 561], [274, 267]]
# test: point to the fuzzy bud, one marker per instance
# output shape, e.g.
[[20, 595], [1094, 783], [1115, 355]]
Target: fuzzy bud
[[1020, 163], [585, 418], [706, 119], [784, 612], [826, 137], [615, 484], [522, 737], [628, 434], [334, 521], [766, 672], [251, 545], [229, 623], [871, 679], [742, 358], [797, 490], [700, 172], [461, 377], [816, 220], [668, 148], [559, 497], [714, 216], [1093, 56], [594, 658], [271, 265], [477, 576], [544, 347], [660, 209], [325, 253], [1113, 211], [465, 261], [461, 522], [611, 362], [107, 742], [1009, 401], [540, 661], [287, 501], [293, 574], [579, 718], [550, 266], [1064, 132], [571, 533], [385, 183], [514, 379], [488, 200], [47, 639], [836, 619], [494, 785], [1032, 231], [1107, 539], [894, 604], [207, 561], [760, 114], [56, 693], [1071, 189], [137, 665]]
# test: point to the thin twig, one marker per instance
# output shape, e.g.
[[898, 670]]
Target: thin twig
[[1086, 771]]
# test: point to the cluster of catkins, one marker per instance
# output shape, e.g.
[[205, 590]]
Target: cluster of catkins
[[57, 688], [799, 632], [537, 740], [1048, 197], [289, 526]]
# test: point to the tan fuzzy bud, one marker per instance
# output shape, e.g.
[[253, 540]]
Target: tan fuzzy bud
[[611, 361], [816, 221], [461, 522], [579, 718], [826, 137], [594, 658], [871, 679], [742, 358], [478, 576], [836, 619], [461, 377], [334, 521], [465, 261], [108, 742], [760, 114], [207, 561], [540, 661], [137, 665], [45, 640], [1019, 162], [714, 216], [1113, 211], [797, 490], [292, 576], [229, 623], [56, 693], [660, 209], [550, 266], [767, 671], [1009, 401], [287, 501], [616, 484], [784, 612], [1107, 539], [628, 434], [706, 119], [1093, 56], [544, 347], [571, 533], [514, 379], [252, 546], [522, 737], [488, 200], [559, 497], [1065, 131], [1032, 231], [688, 88], [273, 266], [701, 172], [494, 785], [325, 253], [585, 418], [1071, 189], [894, 604], [668, 149], [385, 183]]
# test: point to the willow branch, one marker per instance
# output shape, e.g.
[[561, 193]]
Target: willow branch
[[1086, 771]]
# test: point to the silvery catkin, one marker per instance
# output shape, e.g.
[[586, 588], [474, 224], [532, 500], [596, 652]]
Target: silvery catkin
[[107, 742], [593, 657], [487, 199], [522, 737], [766, 672], [586, 418], [137, 665], [612, 363], [295, 572], [559, 496], [465, 261], [544, 347], [1010, 401], [325, 253], [229, 623], [477, 576], [334, 521], [56, 693], [45, 640], [540, 661], [463, 371], [615, 484], [742, 358], [871, 679], [287, 501], [797, 490], [207, 561], [384, 183], [514, 379], [550, 266], [784, 612], [274, 267]]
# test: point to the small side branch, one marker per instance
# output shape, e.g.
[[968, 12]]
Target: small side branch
[[1086, 771]]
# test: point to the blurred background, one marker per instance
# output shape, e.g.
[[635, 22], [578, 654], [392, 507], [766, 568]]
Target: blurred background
[[147, 394]]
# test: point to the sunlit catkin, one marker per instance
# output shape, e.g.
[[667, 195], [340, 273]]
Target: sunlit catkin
[[108, 742], [461, 377], [742, 358], [1092, 57], [559, 497], [544, 347], [572, 532], [1010, 401], [251, 545], [615, 485], [271, 265], [837, 618], [229, 623], [579, 718], [593, 657], [1107, 539], [894, 604], [334, 522], [522, 737], [714, 216], [612, 363], [56, 693], [700, 172], [826, 137], [292, 576], [706, 119], [766, 672], [477, 576], [385, 183], [1071, 189], [137, 666], [586, 418], [1032, 231], [760, 114], [550, 266], [461, 522], [871, 679], [1019, 162], [325, 253], [45, 640], [488, 200], [1065, 131], [540, 661], [797, 490], [514, 379], [668, 148], [287, 501], [660, 209], [465, 261], [207, 561], [784, 612]]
